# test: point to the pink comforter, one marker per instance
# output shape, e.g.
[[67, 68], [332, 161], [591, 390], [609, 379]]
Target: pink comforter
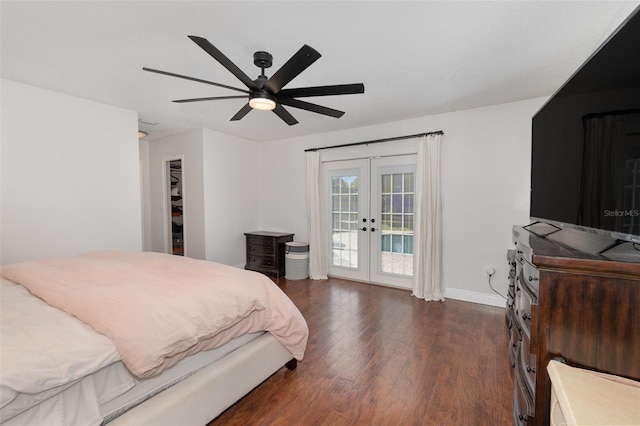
[[159, 308]]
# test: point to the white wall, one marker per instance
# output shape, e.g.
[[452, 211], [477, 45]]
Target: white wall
[[234, 170], [70, 175], [145, 195], [220, 188], [188, 147], [71, 183], [486, 156]]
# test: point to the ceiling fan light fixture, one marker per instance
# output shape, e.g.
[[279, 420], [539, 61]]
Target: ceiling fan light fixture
[[265, 93], [262, 102]]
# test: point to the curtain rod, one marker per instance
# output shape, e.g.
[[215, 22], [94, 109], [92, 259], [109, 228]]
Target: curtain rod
[[616, 112], [397, 138]]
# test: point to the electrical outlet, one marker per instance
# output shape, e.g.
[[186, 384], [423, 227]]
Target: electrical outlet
[[490, 270]]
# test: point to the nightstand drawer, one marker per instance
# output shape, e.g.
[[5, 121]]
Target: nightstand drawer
[[260, 262], [260, 241], [261, 250]]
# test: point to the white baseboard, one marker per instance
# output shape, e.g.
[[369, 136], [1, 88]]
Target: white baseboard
[[475, 297], [463, 295], [457, 294]]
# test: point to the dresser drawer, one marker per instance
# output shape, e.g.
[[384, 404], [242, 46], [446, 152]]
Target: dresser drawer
[[524, 300], [527, 364], [530, 276], [523, 252], [515, 339], [523, 405], [510, 311]]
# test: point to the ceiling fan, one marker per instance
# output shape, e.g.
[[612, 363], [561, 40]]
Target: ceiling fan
[[267, 93]]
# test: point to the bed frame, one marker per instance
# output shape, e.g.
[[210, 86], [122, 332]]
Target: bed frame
[[200, 398]]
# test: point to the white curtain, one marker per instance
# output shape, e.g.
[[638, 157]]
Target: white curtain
[[427, 251], [318, 265]]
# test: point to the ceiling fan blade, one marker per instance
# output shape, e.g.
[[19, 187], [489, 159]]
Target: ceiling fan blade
[[224, 61], [240, 114], [336, 89], [284, 115], [312, 107], [299, 62], [214, 98], [170, 74]]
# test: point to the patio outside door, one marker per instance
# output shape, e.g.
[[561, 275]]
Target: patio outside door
[[371, 207]]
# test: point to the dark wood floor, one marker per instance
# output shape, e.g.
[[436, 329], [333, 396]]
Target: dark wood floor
[[377, 356]]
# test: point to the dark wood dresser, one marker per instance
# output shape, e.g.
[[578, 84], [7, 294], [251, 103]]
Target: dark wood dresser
[[566, 303], [265, 251]]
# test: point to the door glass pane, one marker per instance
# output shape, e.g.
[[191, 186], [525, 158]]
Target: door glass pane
[[408, 203], [385, 224], [344, 210], [397, 203], [408, 182], [397, 182], [396, 230], [335, 204], [385, 206], [386, 184]]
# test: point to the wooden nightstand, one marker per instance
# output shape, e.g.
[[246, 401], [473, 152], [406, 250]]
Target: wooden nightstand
[[265, 251]]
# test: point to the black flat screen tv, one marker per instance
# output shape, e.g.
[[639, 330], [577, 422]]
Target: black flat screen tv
[[585, 164]]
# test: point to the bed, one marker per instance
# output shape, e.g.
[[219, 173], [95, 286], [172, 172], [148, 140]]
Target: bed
[[136, 339]]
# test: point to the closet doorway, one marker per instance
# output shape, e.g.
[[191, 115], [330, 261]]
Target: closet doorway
[[175, 204], [371, 215]]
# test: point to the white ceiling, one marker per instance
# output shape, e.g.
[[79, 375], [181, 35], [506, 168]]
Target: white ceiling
[[415, 58]]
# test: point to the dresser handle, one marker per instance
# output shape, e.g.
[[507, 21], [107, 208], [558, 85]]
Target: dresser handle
[[523, 418], [373, 229], [364, 228], [532, 279], [531, 369], [526, 317]]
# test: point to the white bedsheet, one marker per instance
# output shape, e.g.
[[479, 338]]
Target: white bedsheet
[[147, 388], [50, 387], [37, 341], [79, 403]]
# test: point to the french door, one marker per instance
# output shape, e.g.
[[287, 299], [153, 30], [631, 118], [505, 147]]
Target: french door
[[370, 216]]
